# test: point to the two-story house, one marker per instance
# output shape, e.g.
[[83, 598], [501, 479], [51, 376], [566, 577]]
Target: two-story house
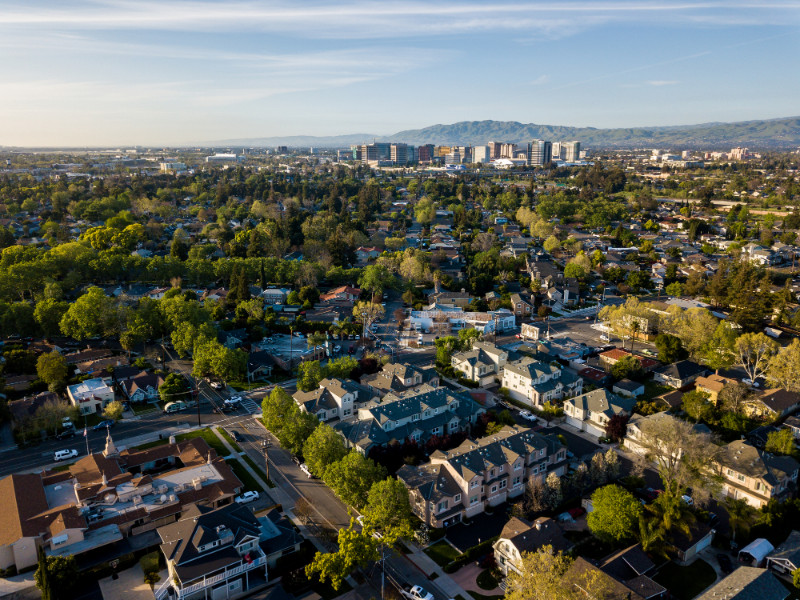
[[142, 387], [535, 383], [756, 476], [636, 431], [481, 364], [520, 536], [680, 374], [333, 399], [591, 412], [410, 415], [462, 482], [521, 307], [213, 553]]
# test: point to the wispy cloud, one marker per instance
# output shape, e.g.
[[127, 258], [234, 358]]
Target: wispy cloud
[[360, 19], [541, 80], [661, 82]]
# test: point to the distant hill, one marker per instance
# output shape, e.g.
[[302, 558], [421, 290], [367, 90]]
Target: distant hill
[[764, 134]]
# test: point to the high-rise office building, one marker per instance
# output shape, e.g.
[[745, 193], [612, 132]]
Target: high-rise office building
[[572, 151], [540, 152], [494, 149], [375, 151], [399, 154], [508, 151], [481, 154], [425, 153], [558, 149]]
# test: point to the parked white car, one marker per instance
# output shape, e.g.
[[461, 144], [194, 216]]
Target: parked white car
[[247, 497], [417, 592], [304, 468], [527, 415]]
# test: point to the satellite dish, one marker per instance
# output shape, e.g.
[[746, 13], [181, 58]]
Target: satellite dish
[[163, 497]]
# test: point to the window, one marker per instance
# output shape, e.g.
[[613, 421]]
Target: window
[[347, 412], [541, 452], [457, 498], [740, 477], [494, 489], [473, 500], [515, 481], [442, 505], [415, 417], [503, 484], [474, 484]]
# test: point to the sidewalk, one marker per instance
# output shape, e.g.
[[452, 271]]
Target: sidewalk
[[426, 564]]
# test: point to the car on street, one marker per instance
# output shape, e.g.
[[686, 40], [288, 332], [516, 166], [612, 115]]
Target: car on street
[[351, 350], [375, 534], [247, 497], [528, 416], [216, 385], [66, 434], [60, 455], [417, 592], [103, 424], [237, 436], [304, 468], [337, 348], [725, 563]]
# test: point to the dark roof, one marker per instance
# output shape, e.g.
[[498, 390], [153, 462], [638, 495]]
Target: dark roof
[[789, 550], [747, 583], [181, 541], [528, 537], [682, 369]]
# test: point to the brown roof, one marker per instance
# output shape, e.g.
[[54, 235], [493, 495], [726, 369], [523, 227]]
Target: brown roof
[[22, 497]]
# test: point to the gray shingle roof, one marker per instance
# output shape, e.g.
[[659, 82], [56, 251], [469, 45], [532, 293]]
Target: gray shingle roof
[[747, 583]]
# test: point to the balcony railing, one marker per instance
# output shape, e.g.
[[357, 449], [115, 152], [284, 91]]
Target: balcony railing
[[182, 592]]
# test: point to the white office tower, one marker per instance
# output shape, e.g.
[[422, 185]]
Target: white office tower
[[481, 154], [572, 151]]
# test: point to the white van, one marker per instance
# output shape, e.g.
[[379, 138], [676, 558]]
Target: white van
[[173, 407]]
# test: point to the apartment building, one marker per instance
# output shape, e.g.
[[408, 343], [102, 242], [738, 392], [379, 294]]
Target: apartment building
[[482, 364], [334, 399], [415, 414], [535, 383], [398, 377], [107, 496], [462, 482], [754, 475]]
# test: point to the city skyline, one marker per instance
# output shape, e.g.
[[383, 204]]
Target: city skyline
[[116, 72]]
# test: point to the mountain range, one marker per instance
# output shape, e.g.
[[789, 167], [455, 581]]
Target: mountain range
[[761, 134]]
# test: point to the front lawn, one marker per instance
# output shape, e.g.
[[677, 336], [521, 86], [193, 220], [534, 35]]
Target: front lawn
[[230, 440], [257, 469], [250, 483], [442, 553], [209, 436], [653, 390], [686, 582]]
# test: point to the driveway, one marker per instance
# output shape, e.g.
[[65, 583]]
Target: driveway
[[481, 528], [582, 448], [129, 585]]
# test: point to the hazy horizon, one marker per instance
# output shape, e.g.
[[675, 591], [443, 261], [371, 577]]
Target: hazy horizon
[[116, 73]]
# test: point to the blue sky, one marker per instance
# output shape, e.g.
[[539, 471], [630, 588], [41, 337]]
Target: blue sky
[[152, 72]]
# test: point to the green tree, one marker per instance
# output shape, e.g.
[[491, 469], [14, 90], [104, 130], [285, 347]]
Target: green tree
[[780, 442], [355, 549], [615, 514], [796, 578], [674, 289], [753, 353], [387, 510], [627, 367], [424, 211], [341, 367], [352, 477], [719, 353], [93, 314], [542, 576], [48, 314], [783, 369], [174, 388], [698, 406], [551, 244], [52, 368], [56, 576], [322, 448], [376, 279], [309, 374], [113, 411], [670, 348]]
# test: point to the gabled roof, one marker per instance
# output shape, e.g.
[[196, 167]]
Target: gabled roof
[[528, 537], [682, 369], [747, 583], [789, 550], [603, 401]]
